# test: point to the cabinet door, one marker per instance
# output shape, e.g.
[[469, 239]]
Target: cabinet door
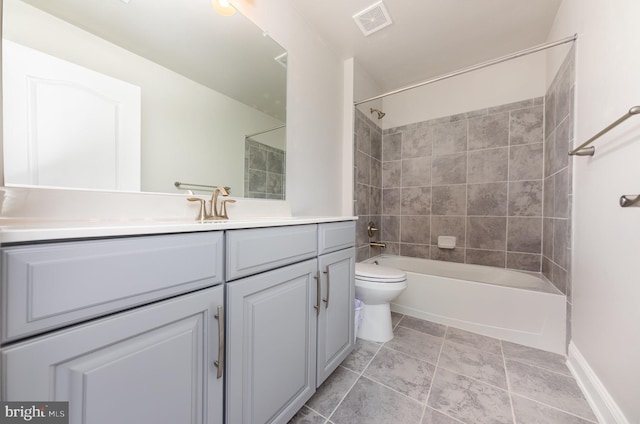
[[335, 321], [151, 365], [271, 327]]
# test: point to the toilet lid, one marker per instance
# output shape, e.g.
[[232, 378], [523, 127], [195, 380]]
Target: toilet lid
[[375, 272]]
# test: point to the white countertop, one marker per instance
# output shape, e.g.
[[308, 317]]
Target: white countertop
[[16, 230]]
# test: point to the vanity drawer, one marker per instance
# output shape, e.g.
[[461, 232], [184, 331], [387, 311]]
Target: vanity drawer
[[260, 249], [334, 236], [51, 285]]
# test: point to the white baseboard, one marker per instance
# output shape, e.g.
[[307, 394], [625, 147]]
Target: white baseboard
[[603, 405]]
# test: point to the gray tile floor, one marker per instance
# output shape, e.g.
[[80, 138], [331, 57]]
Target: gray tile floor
[[433, 374]]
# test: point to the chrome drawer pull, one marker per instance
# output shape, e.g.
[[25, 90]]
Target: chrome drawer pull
[[326, 301], [220, 362], [318, 292]]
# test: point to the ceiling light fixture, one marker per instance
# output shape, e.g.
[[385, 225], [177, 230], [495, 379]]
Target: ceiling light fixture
[[223, 7]]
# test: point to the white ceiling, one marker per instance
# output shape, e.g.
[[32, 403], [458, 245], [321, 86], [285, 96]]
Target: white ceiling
[[430, 37]]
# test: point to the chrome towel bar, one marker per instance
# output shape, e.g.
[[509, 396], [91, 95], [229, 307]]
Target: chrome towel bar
[[181, 186], [583, 150], [629, 200]]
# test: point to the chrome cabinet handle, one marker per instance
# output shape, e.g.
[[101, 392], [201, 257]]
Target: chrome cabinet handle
[[318, 292], [326, 301], [220, 362]]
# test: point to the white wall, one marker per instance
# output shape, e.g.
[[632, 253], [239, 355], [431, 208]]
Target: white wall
[[348, 124], [365, 87], [315, 171], [507, 82], [182, 139], [606, 283]]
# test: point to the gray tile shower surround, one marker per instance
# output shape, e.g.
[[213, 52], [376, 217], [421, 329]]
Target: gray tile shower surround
[[433, 374], [477, 176]]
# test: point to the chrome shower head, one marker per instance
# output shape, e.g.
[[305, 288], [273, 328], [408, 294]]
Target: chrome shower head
[[379, 112]]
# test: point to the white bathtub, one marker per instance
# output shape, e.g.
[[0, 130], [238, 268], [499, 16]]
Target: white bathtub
[[504, 304]]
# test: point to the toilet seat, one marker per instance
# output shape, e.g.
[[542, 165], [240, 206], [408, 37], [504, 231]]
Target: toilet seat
[[378, 274]]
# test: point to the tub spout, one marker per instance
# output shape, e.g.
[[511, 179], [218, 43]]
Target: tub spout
[[378, 244]]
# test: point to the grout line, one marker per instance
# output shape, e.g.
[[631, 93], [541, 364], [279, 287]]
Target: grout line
[[506, 374], [540, 367], [508, 182], [410, 356], [435, 371], [556, 408], [313, 410], [474, 379], [477, 348], [534, 400], [422, 332], [402, 135], [361, 374], [370, 360], [466, 200], [346, 393], [392, 389], [399, 321]]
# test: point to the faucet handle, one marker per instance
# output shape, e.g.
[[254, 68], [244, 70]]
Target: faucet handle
[[203, 212], [224, 207]]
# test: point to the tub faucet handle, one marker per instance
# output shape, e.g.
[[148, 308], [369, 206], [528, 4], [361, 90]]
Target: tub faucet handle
[[371, 229]]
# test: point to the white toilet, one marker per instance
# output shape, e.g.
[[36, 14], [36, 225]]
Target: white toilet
[[376, 286]]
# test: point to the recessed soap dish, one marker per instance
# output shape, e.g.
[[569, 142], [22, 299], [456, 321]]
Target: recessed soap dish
[[447, 242]]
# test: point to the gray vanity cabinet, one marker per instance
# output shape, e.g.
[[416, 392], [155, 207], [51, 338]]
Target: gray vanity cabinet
[[127, 330], [287, 328], [335, 319], [271, 342], [336, 265], [271, 322], [153, 364]]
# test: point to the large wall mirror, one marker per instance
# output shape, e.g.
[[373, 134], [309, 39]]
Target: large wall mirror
[[136, 95]]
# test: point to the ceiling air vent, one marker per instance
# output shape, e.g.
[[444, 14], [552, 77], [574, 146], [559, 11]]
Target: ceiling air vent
[[373, 18]]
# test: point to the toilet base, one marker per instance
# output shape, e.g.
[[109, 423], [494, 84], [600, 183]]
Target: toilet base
[[376, 323]]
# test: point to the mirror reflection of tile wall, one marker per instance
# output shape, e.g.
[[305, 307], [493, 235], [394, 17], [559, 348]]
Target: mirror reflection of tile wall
[[264, 171]]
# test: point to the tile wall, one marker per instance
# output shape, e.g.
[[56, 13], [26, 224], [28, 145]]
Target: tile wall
[[368, 181], [477, 176], [264, 171], [498, 179], [559, 138]]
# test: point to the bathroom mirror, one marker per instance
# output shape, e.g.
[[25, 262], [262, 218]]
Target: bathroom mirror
[[136, 95]]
